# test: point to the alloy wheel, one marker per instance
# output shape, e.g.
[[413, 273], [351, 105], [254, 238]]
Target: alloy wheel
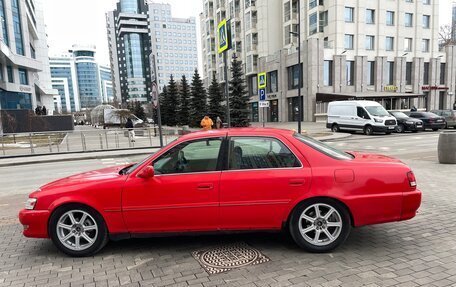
[[77, 230], [320, 224]]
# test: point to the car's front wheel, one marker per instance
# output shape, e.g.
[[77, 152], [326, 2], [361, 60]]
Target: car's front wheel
[[78, 230], [400, 128], [320, 225]]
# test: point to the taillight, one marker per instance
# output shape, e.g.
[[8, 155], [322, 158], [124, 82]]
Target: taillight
[[411, 179]]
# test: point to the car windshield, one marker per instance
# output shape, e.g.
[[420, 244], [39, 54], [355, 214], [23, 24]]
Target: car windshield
[[324, 148], [399, 115], [377, 111]]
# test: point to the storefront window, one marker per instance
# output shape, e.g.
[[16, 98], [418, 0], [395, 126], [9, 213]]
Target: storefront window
[[254, 112], [293, 109], [272, 82], [273, 111], [293, 77]]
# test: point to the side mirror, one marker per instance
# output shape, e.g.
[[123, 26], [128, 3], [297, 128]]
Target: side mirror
[[147, 172]]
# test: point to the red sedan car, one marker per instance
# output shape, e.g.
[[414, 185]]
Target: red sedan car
[[226, 180]]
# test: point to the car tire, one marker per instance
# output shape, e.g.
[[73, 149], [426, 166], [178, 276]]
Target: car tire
[[400, 128], [78, 230], [368, 130], [311, 232], [335, 128], [435, 130]]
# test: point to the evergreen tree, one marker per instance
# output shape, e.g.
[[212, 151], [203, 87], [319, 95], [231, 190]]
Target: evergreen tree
[[139, 111], [184, 111], [198, 105], [215, 100], [239, 98], [164, 107], [172, 102]]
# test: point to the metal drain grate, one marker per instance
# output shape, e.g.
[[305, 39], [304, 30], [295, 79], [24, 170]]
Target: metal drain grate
[[224, 258]]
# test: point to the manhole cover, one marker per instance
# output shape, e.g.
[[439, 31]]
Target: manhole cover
[[226, 257]]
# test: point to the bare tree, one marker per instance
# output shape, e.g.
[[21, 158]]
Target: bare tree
[[447, 35]]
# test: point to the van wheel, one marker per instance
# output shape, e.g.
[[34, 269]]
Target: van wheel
[[368, 130], [335, 128]]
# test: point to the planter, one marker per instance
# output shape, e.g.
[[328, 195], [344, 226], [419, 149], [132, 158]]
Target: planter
[[447, 147]]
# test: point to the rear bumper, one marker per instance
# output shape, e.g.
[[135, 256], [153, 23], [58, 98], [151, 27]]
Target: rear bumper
[[435, 126], [410, 204], [35, 223]]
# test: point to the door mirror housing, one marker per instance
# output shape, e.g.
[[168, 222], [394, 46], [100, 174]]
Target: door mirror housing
[[147, 172]]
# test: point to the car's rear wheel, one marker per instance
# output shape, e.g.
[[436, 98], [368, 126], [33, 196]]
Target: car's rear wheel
[[78, 230], [400, 128], [320, 225], [368, 130], [335, 128]]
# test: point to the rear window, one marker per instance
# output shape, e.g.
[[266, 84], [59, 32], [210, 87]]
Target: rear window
[[323, 148]]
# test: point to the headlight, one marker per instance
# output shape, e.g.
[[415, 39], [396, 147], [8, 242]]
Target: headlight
[[409, 123], [30, 203], [378, 120]]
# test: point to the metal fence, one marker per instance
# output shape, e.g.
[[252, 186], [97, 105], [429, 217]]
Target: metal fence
[[40, 143]]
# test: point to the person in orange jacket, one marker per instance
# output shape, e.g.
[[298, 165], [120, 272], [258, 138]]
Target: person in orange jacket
[[207, 123]]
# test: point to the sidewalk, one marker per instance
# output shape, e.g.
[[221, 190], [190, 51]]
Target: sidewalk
[[315, 130]]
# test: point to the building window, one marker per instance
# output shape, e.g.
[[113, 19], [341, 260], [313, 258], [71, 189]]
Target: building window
[[370, 40], [408, 19], [327, 73], [293, 77], [426, 74], [390, 18], [390, 77], [427, 2], [426, 21], [9, 70], [272, 82], [349, 41], [408, 73], [17, 27], [350, 72], [371, 73], [349, 14], [370, 16], [410, 1], [323, 20], [4, 23], [408, 44], [313, 23], [389, 43], [23, 78], [312, 4], [442, 73], [425, 45]]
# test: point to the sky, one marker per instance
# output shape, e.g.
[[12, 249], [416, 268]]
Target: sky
[[83, 22]]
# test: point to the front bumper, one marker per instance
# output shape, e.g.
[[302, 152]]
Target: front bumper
[[410, 204], [413, 127], [384, 129], [35, 223]]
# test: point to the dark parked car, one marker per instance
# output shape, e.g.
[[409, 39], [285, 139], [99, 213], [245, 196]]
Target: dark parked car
[[406, 123], [449, 115], [430, 120]]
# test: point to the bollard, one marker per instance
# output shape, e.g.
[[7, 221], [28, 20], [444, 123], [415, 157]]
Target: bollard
[[447, 147], [129, 139], [32, 150], [83, 142], [101, 141], [150, 137], [50, 144]]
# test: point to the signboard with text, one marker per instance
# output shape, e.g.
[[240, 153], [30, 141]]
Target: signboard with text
[[264, 104]]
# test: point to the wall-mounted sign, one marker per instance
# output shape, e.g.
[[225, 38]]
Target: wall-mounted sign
[[390, 88], [431, 88], [25, 89]]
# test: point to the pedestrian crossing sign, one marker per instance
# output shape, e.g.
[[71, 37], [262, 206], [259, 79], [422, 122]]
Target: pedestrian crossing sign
[[261, 80], [223, 36]]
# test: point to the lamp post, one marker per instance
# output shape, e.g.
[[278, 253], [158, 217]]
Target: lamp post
[[298, 34]]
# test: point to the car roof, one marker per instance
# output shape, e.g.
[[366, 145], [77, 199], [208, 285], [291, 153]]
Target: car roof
[[360, 103], [238, 131]]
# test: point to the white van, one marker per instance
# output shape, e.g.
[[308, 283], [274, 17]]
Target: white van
[[366, 116]]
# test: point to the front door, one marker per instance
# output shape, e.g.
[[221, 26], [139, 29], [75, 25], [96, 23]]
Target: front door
[[183, 194], [262, 179]]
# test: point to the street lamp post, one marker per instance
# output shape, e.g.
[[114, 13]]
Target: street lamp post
[[298, 34]]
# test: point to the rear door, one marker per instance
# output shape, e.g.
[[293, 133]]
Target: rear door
[[261, 177]]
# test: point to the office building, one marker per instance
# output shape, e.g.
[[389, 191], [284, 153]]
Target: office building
[[24, 64], [81, 82], [381, 50]]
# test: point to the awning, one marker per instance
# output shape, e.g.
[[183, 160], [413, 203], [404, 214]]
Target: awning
[[329, 97]]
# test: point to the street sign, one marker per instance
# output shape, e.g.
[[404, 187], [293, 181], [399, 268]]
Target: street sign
[[224, 36], [261, 80], [153, 75], [262, 94], [154, 94], [264, 104]]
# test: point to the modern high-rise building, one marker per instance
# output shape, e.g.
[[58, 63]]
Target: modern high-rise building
[[381, 50], [453, 21], [129, 49], [25, 80], [80, 81], [173, 42]]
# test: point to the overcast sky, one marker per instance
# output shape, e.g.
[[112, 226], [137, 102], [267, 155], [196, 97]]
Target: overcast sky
[[83, 21]]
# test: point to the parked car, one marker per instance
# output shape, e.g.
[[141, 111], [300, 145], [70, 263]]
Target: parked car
[[226, 180], [430, 120], [449, 115], [366, 116], [406, 123]]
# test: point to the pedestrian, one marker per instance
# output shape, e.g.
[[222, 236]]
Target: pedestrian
[[414, 109], [207, 123], [38, 110], [131, 131], [44, 111], [218, 123]]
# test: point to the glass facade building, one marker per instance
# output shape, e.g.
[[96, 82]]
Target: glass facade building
[[4, 23], [17, 24], [130, 6], [62, 80]]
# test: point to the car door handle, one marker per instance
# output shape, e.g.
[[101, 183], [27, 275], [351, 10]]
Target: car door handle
[[297, 182], [205, 186]]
